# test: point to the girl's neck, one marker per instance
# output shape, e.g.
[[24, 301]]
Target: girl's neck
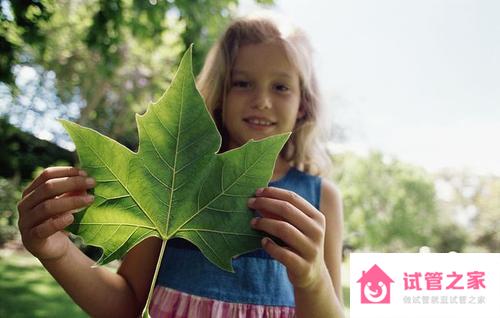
[[280, 169]]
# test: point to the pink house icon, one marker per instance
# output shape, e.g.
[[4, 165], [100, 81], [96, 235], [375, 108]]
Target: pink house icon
[[375, 286]]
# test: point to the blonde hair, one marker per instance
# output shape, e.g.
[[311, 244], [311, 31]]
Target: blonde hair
[[303, 150]]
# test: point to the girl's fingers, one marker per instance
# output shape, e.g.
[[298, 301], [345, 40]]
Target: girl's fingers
[[74, 193], [53, 188], [291, 197], [53, 172], [50, 208], [52, 225], [285, 256], [288, 212], [285, 231]]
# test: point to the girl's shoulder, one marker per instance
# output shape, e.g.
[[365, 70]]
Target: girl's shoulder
[[304, 184], [330, 193], [325, 185], [302, 176]]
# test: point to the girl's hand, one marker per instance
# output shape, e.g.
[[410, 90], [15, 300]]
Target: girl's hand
[[289, 217], [47, 207]]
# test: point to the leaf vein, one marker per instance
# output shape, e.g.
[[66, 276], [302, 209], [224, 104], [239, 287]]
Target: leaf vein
[[157, 179], [154, 145], [101, 224], [219, 232], [116, 197], [226, 211], [118, 247], [210, 247], [112, 172], [188, 164], [161, 122], [217, 196], [170, 203]]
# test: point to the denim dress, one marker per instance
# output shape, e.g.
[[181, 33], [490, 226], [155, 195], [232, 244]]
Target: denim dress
[[188, 285]]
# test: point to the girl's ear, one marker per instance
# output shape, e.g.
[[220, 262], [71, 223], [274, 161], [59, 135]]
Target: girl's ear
[[301, 113]]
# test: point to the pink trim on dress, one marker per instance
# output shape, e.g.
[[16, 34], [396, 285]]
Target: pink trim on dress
[[170, 303]]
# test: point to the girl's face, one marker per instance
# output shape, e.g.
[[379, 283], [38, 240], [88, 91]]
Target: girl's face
[[264, 94]]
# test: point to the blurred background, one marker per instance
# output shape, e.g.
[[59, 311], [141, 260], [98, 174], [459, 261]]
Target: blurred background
[[411, 89]]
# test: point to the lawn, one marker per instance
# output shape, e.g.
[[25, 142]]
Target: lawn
[[27, 290], [345, 286]]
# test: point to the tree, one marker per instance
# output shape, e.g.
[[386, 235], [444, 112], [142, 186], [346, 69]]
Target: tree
[[473, 200], [487, 222], [10, 194], [21, 154], [110, 57], [389, 205]]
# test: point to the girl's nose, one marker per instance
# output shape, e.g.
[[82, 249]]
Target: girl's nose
[[262, 101]]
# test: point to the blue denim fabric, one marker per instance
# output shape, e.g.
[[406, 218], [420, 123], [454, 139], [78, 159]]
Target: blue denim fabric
[[259, 279]]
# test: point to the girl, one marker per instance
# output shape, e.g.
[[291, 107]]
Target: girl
[[257, 81]]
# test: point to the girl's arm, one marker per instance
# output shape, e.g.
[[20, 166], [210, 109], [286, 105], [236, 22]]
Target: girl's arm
[[99, 291], [314, 243], [44, 211], [324, 297]]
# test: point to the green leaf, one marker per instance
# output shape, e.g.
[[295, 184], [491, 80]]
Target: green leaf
[[175, 185]]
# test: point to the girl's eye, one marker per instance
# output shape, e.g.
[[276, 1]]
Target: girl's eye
[[281, 88], [241, 84]]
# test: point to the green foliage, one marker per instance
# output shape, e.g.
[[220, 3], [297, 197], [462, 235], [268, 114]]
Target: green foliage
[[389, 206], [22, 153], [19, 26], [21, 156], [109, 57], [10, 193], [474, 201], [449, 237], [487, 222], [175, 185]]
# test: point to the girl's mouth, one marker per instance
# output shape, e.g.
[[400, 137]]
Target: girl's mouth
[[258, 123]]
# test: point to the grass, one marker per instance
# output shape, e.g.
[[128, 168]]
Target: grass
[[345, 286], [27, 290]]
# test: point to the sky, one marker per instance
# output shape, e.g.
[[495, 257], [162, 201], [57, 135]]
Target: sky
[[418, 80]]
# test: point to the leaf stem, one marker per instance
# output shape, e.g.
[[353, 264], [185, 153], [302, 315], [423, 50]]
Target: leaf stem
[[145, 311]]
